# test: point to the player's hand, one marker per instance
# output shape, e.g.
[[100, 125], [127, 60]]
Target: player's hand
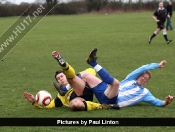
[[168, 16], [157, 20], [162, 63], [168, 99], [29, 97]]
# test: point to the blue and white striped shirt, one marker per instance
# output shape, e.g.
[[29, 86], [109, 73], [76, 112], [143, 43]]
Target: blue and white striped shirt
[[130, 93]]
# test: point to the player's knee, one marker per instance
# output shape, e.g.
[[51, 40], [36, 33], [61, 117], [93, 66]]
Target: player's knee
[[164, 32], [116, 82], [84, 75]]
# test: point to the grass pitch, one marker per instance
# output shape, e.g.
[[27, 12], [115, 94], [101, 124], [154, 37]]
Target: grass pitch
[[122, 40]]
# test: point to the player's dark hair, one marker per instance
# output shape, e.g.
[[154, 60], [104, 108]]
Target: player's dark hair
[[58, 72]]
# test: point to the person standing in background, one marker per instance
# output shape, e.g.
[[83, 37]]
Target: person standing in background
[[169, 10], [160, 16]]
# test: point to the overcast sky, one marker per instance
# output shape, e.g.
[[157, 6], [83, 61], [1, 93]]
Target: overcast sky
[[19, 1], [29, 1]]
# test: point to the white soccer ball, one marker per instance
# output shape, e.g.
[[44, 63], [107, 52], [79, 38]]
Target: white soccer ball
[[43, 98]]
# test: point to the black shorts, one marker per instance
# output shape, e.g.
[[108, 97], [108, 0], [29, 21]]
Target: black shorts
[[87, 94], [160, 25]]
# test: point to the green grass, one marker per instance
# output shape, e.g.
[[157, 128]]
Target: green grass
[[122, 40]]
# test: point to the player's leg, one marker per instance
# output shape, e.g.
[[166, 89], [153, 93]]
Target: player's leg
[[99, 88], [157, 31], [76, 83], [112, 89], [154, 34], [68, 70], [165, 36], [90, 79]]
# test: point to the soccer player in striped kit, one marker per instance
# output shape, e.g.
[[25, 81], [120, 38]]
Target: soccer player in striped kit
[[130, 91]]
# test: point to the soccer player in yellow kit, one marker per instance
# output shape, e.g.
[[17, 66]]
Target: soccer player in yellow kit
[[70, 99]]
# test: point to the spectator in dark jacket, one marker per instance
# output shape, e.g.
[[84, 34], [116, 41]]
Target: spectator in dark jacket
[[169, 10]]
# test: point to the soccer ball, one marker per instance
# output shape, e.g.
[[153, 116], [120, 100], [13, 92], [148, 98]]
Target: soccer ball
[[43, 97]]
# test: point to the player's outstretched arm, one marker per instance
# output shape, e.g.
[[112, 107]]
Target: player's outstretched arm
[[168, 100], [30, 97]]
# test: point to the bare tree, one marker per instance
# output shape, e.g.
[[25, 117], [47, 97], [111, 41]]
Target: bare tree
[[130, 4], [140, 3], [51, 3]]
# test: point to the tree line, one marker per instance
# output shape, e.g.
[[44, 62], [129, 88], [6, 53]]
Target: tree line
[[80, 7]]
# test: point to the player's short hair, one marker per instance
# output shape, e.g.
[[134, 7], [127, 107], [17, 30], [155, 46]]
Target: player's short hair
[[148, 72], [58, 72]]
